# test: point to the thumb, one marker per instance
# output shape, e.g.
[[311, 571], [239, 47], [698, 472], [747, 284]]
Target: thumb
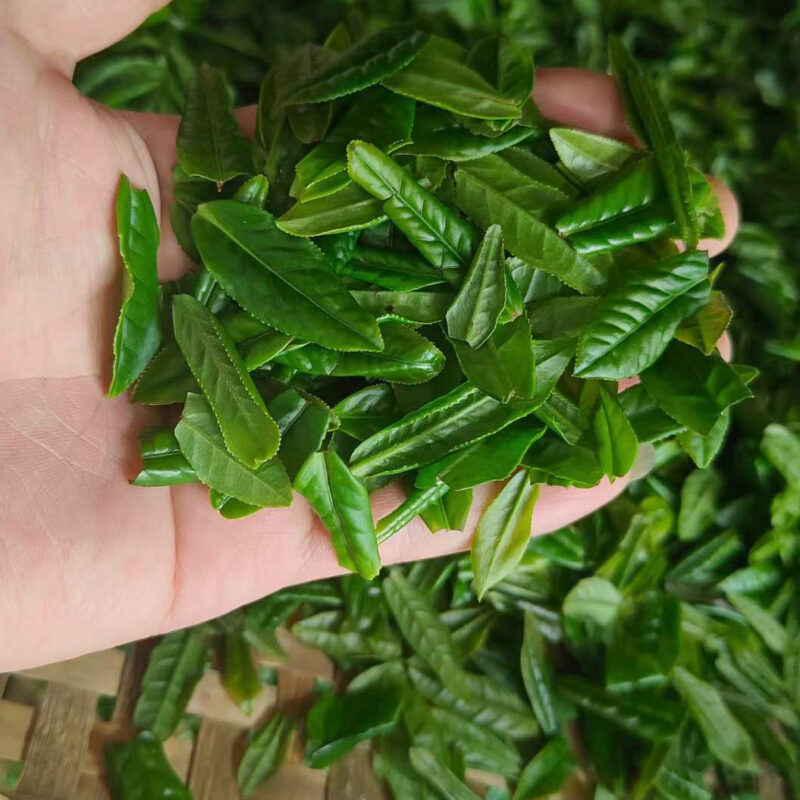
[[64, 32]]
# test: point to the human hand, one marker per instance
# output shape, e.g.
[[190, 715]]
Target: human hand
[[86, 560]]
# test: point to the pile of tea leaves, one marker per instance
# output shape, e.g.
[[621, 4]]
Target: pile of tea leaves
[[653, 647]]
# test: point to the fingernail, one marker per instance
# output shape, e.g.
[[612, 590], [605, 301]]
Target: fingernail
[[644, 462]]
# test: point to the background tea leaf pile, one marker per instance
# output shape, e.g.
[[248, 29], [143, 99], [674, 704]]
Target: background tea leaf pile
[[666, 625]]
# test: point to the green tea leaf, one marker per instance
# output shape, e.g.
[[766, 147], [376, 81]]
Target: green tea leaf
[[649, 422], [239, 672], [439, 79], [635, 321], [163, 464], [768, 628], [337, 724], [139, 770], [377, 116], [201, 442], [176, 665], [413, 308], [390, 269], [265, 753], [342, 503], [367, 411], [617, 444], [645, 645], [250, 434], [698, 508], [409, 509], [636, 187], [138, 332], [692, 388], [564, 464], [347, 209], [437, 231], [491, 459], [593, 600], [483, 197], [326, 632], [477, 307], [506, 64], [367, 62], [650, 121], [503, 532], [645, 715], [727, 739], [280, 280], [210, 143], [537, 674], [546, 771], [166, 379], [705, 327], [457, 144], [437, 775], [782, 448], [588, 156], [462, 416]]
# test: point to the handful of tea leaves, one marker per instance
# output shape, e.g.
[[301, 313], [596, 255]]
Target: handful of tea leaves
[[409, 274]]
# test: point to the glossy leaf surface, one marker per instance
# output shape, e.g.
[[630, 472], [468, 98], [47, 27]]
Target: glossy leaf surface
[[210, 143], [138, 332], [280, 280]]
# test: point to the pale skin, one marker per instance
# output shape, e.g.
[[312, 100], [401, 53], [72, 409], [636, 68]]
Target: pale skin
[[86, 560]]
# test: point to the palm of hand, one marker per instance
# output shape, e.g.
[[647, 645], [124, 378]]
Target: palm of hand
[[86, 560]]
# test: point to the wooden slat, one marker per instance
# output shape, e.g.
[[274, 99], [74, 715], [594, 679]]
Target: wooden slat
[[212, 775], [16, 720], [3, 682], [130, 680], [97, 672], [352, 778], [293, 781], [58, 745]]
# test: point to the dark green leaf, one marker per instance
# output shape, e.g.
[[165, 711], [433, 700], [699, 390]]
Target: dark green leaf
[[703, 449], [482, 194], [698, 508], [414, 308], [588, 156], [367, 62], [250, 434], [337, 724], [546, 771], [476, 308], [704, 328], [347, 209], [437, 231], [265, 753], [280, 280], [409, 509], [325, 632], [438, 78], [167, 379], [646, 715], [438, 776], [342, 503], [503, 532], [377, 116], [239, 673], [367, 411], [139, 770], [635, 322], [782, 448], [565, 465], [617, 445], [727, 739], [176, 665], [138, 333], [491, 459], [210, 144], [442, 426], [692, 388], [650, 121], [537, 674], [457, 144], [390, 269]]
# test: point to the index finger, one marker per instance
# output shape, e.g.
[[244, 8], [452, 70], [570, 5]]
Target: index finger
[[580, 98]]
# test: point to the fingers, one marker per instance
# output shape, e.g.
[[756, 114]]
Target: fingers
[[579, 98], [65, 32], [223, 564]]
